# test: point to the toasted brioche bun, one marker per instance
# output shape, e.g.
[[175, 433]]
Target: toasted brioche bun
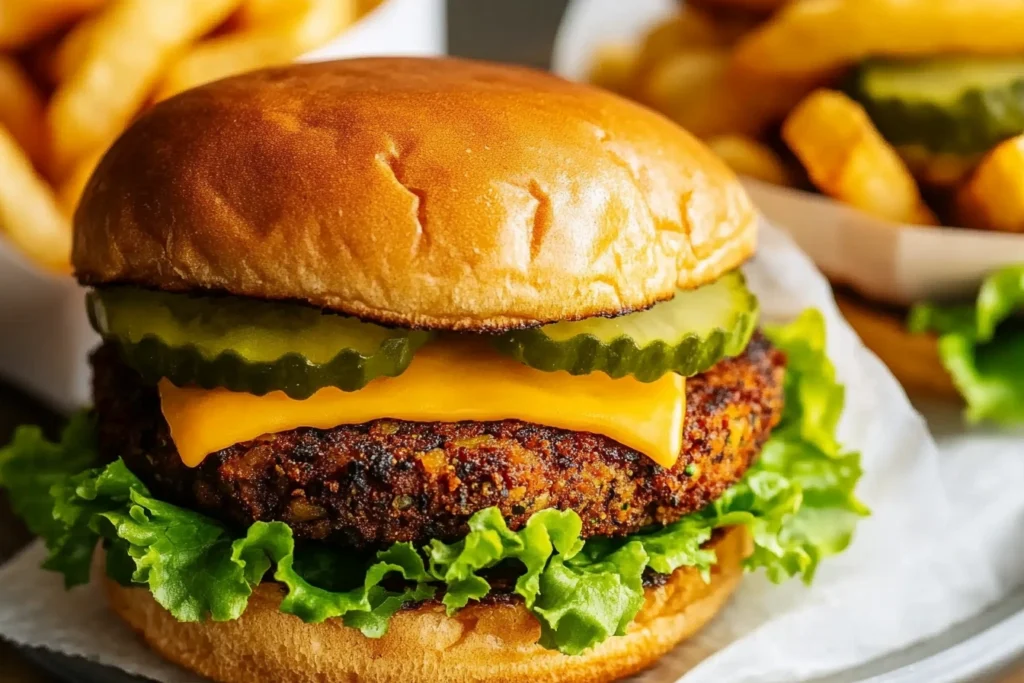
[[495, 642], [912, 358], [418, 192]]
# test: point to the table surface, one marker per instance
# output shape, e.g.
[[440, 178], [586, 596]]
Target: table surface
[[520, 31]]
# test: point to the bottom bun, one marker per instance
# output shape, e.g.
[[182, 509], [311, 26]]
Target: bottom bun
[[489, 642], [912, 358]]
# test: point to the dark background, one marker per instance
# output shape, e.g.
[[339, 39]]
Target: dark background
[[519, 31]]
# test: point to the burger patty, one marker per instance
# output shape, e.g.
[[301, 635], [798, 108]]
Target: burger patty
[[369, 485]]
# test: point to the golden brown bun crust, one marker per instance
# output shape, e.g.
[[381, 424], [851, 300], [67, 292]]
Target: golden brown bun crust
[[419, 192], [913, 358], [480, 643]]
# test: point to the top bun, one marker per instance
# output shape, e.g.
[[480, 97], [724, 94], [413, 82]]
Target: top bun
[[433, 193]]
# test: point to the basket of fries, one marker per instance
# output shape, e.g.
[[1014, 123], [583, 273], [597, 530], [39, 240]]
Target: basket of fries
[[887, 136], [75, 73]]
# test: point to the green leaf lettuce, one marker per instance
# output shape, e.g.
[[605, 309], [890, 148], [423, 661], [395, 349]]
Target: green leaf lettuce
[[797, 500], [982, 346]]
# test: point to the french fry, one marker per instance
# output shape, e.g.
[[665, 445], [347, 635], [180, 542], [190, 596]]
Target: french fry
[[816, 36], [364, 7], [21, 110], [701, 91], [687, 30], [71, 51], [675, 84], [70, 191], [748, 157], [913, 358], [29, 216], [613, 67], [255, 13], [847, 158], [993, 198], [130, 45], [273, 32], [23, 21]]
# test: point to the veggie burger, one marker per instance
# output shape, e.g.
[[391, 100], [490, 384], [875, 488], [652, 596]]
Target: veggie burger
[[423, 369]]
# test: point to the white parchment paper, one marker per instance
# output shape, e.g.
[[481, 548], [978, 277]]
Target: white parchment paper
[[944, 542]]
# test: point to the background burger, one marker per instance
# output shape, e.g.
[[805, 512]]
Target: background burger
[[423, 370]]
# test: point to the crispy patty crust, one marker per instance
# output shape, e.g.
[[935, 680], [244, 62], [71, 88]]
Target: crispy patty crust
[[370, 485]]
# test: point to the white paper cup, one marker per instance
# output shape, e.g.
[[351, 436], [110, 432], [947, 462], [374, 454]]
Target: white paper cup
[[45, 336], [899, 264]]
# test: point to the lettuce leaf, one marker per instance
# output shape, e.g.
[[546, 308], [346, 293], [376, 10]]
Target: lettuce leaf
[[804, 482], [798, 502], [30, 466], [581, 604], [982, 347], [490, 542]]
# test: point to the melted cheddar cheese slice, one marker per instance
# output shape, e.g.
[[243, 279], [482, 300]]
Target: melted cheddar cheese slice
[[446, 382]]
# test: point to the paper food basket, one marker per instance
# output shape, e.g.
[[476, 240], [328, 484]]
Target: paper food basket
[[45, 337], [898, 264]]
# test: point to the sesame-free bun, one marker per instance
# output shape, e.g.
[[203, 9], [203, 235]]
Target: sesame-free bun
[[490, 642], [434, 193]]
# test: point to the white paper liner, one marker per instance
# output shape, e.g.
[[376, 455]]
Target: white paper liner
[[940, 547], [45, 336], [899, 264]]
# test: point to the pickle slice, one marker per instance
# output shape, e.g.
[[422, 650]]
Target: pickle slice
[[686, 334], [246, 344], [962, 105]]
